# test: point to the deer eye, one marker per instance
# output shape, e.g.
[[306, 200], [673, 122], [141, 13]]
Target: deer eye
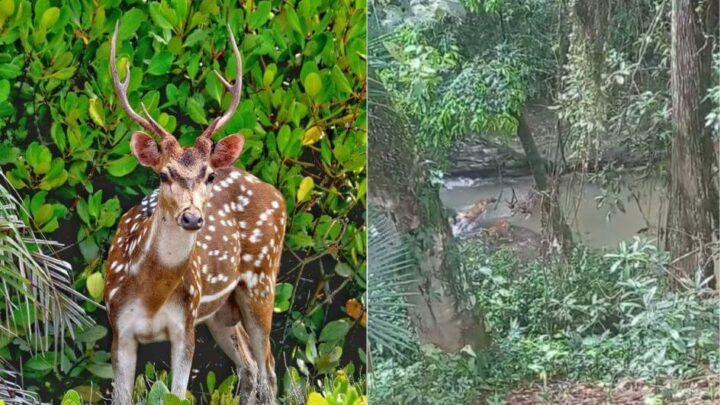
[[211, 177], [164, 177]]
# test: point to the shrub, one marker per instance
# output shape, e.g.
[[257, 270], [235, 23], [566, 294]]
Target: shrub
[[64, 141], [599, 317]]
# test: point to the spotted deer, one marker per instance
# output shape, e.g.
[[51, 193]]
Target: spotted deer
[[203, 248]]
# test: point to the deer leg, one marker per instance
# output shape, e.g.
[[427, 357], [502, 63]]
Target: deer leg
[[181, 352], [233, 340], [256, 312], [124, 357]]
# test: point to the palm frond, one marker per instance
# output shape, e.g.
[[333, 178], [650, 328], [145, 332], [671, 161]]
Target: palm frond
[[36, 287], [392, 273], [12, 393]]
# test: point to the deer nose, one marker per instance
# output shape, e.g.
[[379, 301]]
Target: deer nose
[[191, 221]]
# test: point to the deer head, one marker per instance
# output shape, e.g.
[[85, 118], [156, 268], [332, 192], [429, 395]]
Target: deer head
[[186, 173]]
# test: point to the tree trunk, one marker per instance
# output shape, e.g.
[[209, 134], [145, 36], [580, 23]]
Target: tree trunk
[[693, 200], [590, 19], [556, 230], [399, 186]]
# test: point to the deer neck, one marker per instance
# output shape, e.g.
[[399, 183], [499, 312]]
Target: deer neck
[[164, 256]]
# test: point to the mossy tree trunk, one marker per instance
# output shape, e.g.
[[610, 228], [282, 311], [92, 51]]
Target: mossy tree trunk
[[556, 231], [693, 199], [399, 186]]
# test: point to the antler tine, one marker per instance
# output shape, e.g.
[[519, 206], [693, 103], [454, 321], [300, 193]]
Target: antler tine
[[121, 92], [234, 89]]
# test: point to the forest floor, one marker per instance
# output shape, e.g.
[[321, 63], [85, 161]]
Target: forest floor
[[705, 391]]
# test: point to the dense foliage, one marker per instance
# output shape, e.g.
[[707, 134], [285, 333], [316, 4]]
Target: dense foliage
[[600, 317], [151, 388], [64, 146]]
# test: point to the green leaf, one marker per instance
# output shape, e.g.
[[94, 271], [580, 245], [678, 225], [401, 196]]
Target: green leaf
[[312, 84], [340, 80], [89, 248], [171, 399], [343, 270], [160, 63], [335, 330], [101, 370], [7, 7], [195, 38], [312, 135], [56, 176], [210, 381], [91, 334], [109, 212], [283, 294], [122, 166], [38, 157], [156, 396], [49, 17], [261, 15], [71, 397], [95, 284], [130, 22], [25, 314], [196, 111], [41, 362], [157, 16], [9, 71], [306, 185], [96, 111], [4, 90]]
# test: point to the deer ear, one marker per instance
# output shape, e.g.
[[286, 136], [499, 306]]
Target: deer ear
[[145, 149], [226, 151]]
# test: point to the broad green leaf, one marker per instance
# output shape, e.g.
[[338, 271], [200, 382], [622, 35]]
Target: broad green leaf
[[71, 397], [340, 80], [41, 362], [210, 381], [101, 370], [95, 284], [335, 330], [158, 18], [4, 90], [160, 63], [25, 314], [122, 166], [96, 111], [7, 7], [343, 269], [130, 22], [56, 176], [91, 334], [312, 84], [38, 157], [312, 135], [306, 185], [316, 399], [196, 111], [49, 17], [195, 38], [283, 295], [9, 71], [156, 396]]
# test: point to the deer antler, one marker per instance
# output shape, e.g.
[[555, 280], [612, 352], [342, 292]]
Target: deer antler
[[121, 92], [234, 89]]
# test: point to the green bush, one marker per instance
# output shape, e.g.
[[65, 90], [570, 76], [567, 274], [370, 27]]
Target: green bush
[[64, 141], [599, 317]]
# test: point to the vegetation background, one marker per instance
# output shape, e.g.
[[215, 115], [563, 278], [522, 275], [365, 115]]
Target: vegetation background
[[514, 316], [64, 148]]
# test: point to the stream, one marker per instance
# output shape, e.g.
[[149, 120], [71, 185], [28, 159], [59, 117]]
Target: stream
[[597, 225]]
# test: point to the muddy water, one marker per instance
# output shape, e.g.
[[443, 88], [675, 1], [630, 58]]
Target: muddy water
[[597, 226]]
